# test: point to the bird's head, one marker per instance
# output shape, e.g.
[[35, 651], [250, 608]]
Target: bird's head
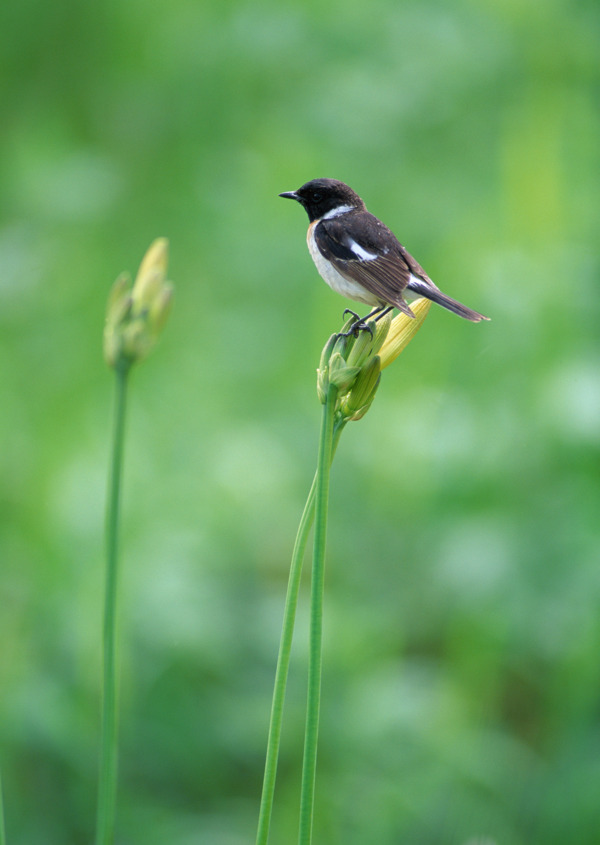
[[325, 197]]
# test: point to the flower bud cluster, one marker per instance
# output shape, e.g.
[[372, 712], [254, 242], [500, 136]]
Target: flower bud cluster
[[136, 315], [353, 363]]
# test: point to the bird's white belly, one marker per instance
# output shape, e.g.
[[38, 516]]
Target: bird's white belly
[[335, 280]]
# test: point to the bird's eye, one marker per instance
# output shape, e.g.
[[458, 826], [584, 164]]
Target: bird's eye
[[316, 196]]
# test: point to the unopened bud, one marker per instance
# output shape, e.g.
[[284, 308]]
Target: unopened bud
[[362, 346], [364, 389], [152, 273], [402, 331], [340, 374], [135, 316]]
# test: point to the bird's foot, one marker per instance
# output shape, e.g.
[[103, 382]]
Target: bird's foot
[[359, 325]]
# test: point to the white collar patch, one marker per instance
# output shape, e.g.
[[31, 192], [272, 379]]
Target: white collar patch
[[336, 212]]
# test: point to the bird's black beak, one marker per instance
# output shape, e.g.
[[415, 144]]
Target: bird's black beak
[[290, 195]]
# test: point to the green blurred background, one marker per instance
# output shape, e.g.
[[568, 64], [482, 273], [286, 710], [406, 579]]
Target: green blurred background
[[461, 672]]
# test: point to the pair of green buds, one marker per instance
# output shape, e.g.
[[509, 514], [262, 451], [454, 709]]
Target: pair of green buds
[[353, 364], [136, 315]]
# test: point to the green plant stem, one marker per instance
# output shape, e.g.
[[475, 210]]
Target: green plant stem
[[309, 767], [283, 658], [283, 664], [107, 785], [2, 829]]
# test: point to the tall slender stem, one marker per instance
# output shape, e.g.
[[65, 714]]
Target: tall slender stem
[[107, 785], [283, 659], [283, 664], [309, 767], [2, 830]]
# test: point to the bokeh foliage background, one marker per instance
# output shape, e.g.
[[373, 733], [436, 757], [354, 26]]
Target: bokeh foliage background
[[462, 680]]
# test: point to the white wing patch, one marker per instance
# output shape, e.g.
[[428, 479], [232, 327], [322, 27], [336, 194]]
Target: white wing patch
[[360, 252]]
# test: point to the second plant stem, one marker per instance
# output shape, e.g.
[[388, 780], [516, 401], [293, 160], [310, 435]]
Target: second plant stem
[[107, 786], [283, 659], [311, 735]]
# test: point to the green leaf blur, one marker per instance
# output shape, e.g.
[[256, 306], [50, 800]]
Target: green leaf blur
[[461, 684]]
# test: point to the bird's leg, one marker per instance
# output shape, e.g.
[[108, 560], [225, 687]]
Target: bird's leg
[[361, 323], [382, 313]]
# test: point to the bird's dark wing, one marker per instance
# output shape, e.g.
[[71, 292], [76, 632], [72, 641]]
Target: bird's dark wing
[[366, 251], [362, 249]]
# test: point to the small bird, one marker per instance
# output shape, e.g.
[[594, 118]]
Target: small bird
[[359, 257]]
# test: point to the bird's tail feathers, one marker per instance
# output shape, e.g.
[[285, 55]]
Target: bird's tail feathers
[[435, 295]]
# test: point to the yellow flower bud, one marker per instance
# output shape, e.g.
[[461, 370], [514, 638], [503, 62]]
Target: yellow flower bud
[[402, 331], [119, 299], [161, 307], [135, 316], [152, 274]]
